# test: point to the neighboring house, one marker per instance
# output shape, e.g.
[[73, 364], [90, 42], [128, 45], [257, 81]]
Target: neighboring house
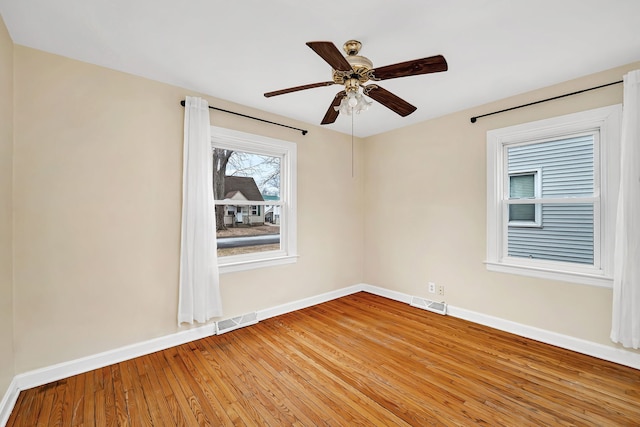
[[272, 212], [561, 168], [242, 189]]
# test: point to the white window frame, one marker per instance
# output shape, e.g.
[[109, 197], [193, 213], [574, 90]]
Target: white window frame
[[606, 121], [287, 151], [537, 186]]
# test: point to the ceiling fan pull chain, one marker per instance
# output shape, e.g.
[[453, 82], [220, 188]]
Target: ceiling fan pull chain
[[352, 146]]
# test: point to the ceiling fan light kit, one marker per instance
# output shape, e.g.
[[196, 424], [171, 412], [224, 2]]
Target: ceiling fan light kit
[[354, 70], [352, 103]]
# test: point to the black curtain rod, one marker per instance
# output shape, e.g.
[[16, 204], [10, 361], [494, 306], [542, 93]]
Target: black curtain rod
[[304, 132], [473, 119]]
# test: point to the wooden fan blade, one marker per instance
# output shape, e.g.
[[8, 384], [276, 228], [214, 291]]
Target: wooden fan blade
[[330, 53], [389, 100], [432, 64], [331, 115], [297, 88]]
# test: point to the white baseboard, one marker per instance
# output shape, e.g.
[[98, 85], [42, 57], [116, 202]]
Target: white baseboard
[[387, 293], [612, 354], [8, 402], [604, 352], [308, 302], [63, 370], [56, 372], [59, 371]]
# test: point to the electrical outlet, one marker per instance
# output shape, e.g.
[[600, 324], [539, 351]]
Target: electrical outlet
[[432, 287], [440, 289]]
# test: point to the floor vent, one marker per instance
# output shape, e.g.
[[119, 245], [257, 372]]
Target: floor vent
[[228, 325], [425, 304]]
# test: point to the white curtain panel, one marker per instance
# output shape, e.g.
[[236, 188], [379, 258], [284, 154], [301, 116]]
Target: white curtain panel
[[626, 281], [199, 277]]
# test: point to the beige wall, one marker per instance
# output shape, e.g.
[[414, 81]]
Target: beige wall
[[6, 209], [97, 180], [98, 161], [431, 223]]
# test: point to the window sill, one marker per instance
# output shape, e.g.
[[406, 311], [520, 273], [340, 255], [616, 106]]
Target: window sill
[[243, 265], [592, 279]]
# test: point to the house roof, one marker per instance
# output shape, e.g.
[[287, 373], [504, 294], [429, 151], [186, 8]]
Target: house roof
[[245, 185]]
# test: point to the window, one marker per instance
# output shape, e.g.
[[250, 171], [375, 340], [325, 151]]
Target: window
[[254, 176], [551, 197], [524, 185]]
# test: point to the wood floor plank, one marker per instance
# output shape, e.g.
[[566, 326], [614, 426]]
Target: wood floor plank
[[66, 402], [215, 379], [94, 402], [312, 410], [115, 388], [109, 398], [356, 371], [159, 377], [49, 392], [59, 404], [327, 388], [292, 366], [216, 413], [490, 374], [539, 384], [153, 399], [183, 398], [21, 402], [361, 360], [30, 406], [266, 368], [76, 402], [137, 407], [405, 381], [263, 409], [268, 391]]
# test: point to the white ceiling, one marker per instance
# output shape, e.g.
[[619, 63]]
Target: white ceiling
[[237, 50]]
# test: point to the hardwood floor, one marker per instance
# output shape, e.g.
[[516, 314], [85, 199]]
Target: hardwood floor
[[358, 360]]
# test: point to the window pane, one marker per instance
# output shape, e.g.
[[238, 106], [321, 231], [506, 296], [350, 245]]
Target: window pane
[[567, 235], [238, 240], [567, 165], [522, 213], [522, 186], [265, 171], [241, 178]]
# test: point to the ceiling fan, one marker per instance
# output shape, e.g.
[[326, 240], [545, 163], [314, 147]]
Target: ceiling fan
[[354, 70]]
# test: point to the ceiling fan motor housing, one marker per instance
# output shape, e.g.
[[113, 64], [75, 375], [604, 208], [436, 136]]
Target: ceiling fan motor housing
[[360, 70]]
